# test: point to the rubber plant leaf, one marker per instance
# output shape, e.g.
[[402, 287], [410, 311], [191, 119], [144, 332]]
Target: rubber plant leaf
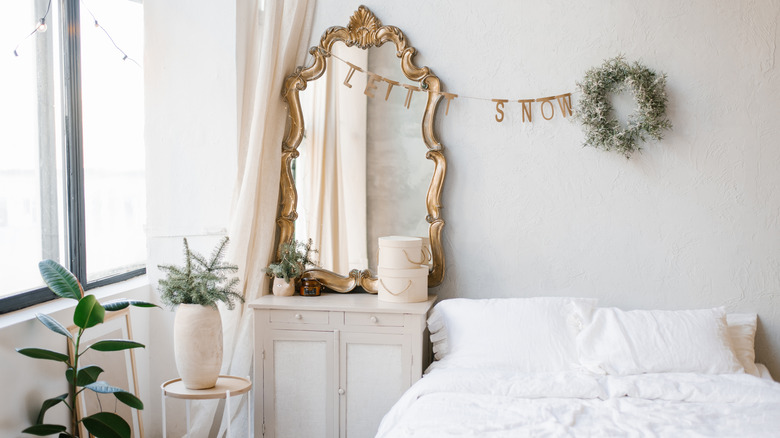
[[44, 429], [123, 303], [48, 404], [88, 313], [115, 345], [53, 325], [103, 387], [86, 375], [40, 353], [60, 280], [107, 425], [129, 399]]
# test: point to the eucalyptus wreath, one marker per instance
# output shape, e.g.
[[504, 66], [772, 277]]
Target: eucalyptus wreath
[[594, 111]]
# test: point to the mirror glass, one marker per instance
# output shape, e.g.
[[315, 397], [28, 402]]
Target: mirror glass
[[362, 171]]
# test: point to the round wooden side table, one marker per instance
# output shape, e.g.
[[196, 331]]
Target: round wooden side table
[[226, 387]]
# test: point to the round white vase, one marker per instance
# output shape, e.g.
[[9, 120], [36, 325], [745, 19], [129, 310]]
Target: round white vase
[[197, 345], [282, 288]]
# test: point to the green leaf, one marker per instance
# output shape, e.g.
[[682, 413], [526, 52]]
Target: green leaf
[[122, 303], [48, 404], [69, 375], [88, 313], [60, 280], [86, 375], [53, 325], [44, 429], [129, 399], [115, 345], [103, 387], [40, 353], [107, 425], [66, 435]]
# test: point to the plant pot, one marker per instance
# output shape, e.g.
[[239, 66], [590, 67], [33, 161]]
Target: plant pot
[[282, 288], [197, 345]]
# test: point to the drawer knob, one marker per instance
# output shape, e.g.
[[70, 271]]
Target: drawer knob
[[298, 316], [373, 319], [341, 391]]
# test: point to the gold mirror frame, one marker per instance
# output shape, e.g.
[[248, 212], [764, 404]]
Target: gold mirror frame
[[364, 30]]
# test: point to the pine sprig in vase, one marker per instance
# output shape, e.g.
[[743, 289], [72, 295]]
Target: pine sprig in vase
[[295, 257], [194, 289], [200, 281]]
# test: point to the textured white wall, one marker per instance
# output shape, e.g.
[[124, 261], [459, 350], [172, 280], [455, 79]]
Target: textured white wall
[[693, 221]]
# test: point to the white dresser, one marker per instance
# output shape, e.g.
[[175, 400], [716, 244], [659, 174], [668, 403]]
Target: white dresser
[[333, 365]]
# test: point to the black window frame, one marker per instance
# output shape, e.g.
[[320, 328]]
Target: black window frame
[[75, 228]]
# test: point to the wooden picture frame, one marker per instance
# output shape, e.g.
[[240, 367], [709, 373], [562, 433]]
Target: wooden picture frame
[[118, 370]]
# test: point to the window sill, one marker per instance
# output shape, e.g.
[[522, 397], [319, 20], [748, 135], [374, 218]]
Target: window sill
[[133, 286]]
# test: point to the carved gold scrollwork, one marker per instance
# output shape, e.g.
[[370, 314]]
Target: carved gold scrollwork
[[364, 30]]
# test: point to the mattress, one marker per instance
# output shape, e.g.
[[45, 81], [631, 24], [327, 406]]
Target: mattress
[[494, 402]]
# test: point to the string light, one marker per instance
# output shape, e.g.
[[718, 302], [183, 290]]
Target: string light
[[42, 27], [125, 56]]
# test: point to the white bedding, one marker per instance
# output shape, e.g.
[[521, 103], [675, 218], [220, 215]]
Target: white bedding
[[460, 402]]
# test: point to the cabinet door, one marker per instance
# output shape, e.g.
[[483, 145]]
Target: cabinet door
[[300, 397], [375, 370]]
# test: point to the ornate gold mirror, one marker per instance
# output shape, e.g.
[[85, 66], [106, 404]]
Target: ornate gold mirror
[[333, 174]]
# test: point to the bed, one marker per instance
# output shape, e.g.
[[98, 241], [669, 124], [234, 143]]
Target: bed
[[563, 367]]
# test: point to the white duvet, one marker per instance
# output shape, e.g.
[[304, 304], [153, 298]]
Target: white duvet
[[455, 402]]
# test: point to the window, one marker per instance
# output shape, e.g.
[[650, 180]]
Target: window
[[72, 156]]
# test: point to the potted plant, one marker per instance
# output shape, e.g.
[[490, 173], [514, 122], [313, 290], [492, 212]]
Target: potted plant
[[194, 290], [295, 256], [88, 313]]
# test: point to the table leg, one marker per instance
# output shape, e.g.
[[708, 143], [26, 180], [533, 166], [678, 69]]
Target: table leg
[[229, 414], [164, 421], [187, 402]]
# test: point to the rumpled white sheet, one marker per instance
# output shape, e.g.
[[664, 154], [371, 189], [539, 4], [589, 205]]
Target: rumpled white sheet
[[455, 402]]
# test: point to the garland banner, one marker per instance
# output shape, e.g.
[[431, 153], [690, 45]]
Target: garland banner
[[547, 112], [601, 129]]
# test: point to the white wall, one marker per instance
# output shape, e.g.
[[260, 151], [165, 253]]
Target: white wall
[[190, 133], [693, 221]]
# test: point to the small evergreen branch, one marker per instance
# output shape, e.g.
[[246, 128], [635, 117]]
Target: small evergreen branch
[[295, 257], [200, 281]]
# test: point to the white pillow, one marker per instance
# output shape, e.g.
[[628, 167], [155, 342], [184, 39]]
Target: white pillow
[[526, 334], [657, 341], [742, 330]]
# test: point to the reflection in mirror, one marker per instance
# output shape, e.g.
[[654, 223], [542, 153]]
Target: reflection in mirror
[[362, 171]]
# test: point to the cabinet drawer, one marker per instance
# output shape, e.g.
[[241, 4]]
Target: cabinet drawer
[[374, 319], [299, 316]]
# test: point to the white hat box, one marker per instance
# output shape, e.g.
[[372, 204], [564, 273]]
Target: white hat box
[[403, 285], [401, 252]]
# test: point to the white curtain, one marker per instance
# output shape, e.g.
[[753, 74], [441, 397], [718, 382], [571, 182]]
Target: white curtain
[[271, 40], [331, 169]]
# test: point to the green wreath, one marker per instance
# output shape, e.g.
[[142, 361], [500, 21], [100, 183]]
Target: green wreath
[[595, 112]]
